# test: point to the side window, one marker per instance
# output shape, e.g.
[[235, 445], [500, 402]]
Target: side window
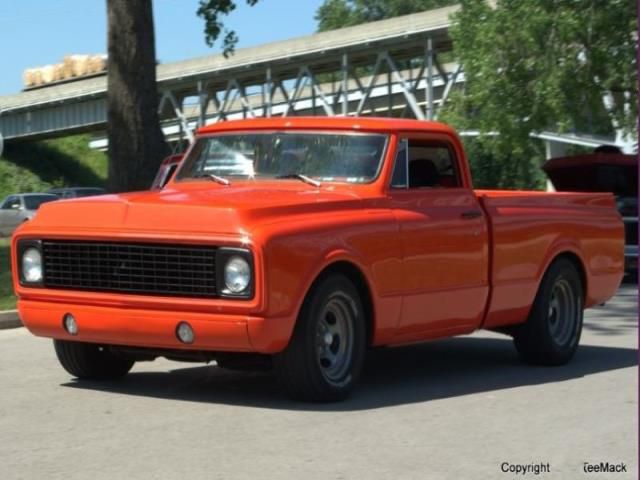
[[431, 164], [10, 203]]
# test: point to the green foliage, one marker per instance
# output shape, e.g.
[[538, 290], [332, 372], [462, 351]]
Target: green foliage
[[34, 167], [334, 14], [509, 171], [547, 64], [211, 11], [541, 65], [7, 299]]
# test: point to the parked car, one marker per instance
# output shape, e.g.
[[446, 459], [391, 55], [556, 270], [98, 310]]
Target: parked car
[[17, 209], [377, 238], [76, 192], [604, 171]]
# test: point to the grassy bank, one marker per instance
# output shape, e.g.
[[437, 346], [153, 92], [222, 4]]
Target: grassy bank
[[7, 300], [37, 166]]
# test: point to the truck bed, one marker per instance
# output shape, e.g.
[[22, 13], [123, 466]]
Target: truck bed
[[529, 228]]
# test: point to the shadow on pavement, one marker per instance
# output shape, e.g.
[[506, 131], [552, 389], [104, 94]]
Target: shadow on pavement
[[617, 317], [392, 376]]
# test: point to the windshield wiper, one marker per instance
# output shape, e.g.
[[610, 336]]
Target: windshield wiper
[[215, 178], [302, 177]]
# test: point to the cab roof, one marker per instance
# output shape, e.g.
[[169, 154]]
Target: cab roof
[[369, 124]]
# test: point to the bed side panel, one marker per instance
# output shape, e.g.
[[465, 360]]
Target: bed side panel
[[530, 229]]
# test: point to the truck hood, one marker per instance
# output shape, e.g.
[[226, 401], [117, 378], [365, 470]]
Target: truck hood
[[201, 210]]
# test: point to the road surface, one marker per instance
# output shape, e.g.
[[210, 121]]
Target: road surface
[[460, 408]]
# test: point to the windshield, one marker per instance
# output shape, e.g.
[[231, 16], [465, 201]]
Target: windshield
[[33, 202], [340, 157]]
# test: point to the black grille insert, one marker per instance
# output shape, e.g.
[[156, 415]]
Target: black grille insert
[[136, 268]]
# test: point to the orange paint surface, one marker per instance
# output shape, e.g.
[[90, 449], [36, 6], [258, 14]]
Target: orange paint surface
[[430, 269]]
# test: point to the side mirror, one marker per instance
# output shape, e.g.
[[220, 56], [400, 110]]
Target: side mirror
[[16, 206]]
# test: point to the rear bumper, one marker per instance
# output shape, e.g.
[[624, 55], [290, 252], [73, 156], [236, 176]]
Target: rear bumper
[[156, 329]]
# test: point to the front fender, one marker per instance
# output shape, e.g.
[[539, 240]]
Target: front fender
[[294, 257]]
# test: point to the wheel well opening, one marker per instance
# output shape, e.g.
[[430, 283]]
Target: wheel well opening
[[575, 260], [356, 276]]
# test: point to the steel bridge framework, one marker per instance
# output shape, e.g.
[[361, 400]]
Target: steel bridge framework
[[393, 67]]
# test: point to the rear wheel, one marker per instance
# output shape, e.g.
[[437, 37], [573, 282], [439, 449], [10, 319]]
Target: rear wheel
[[90, 361], [552, 332], [325, 355]]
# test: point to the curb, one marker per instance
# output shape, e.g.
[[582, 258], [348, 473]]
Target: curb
[[9, 319]]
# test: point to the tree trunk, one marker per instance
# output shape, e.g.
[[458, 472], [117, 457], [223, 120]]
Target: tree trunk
[[136, 142]]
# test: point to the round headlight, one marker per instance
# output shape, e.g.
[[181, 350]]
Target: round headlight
[[32, 265], [237, 274]]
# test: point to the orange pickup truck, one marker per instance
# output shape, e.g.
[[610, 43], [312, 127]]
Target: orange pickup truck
[[298, 243]]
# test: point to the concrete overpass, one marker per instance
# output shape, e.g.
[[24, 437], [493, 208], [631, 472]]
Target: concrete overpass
[[391, 67]]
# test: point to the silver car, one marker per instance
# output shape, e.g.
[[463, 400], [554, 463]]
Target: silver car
[[19, 208]]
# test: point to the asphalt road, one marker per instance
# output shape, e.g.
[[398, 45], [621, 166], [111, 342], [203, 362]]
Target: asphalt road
[[456, 409]]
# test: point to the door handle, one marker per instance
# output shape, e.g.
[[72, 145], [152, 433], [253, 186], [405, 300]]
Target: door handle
[[471, 214]]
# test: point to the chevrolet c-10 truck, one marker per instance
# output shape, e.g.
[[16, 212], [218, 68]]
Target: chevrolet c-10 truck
[[298, 243]]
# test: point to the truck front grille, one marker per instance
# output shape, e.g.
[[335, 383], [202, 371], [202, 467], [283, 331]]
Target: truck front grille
[[135, 268]]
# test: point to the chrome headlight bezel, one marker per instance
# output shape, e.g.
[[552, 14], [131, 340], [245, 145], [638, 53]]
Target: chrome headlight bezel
[[223, 256], [23, 247]]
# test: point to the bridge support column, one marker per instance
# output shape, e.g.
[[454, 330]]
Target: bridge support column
[[429, 78], [202, 103], [267, 90], [345, 84]]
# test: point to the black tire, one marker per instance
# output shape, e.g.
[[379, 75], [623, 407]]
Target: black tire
[[552, 332], [305, 368], [90, 361]]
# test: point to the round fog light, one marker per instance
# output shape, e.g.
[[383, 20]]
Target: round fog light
[[69, 324], [184, 332]]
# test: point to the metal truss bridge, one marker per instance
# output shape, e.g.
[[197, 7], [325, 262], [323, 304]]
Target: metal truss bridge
[[397, 67]]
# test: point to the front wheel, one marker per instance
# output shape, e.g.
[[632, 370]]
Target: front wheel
[[552, 332], [90, 361], [325, 355]]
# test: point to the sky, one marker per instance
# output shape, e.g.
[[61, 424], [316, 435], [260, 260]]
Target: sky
[[35, 33]]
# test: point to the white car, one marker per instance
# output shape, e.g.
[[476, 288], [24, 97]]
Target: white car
[[16, 209]]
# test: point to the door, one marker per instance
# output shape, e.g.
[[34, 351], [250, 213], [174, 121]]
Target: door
[[9, 214], [444, 237]]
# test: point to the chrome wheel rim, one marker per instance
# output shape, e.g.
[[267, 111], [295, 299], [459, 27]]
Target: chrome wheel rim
[[334, 339], [563, 313]]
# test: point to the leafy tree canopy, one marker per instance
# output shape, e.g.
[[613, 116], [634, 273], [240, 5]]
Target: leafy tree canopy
[[540, 65], [334, 14], [545, 64], [212, 11]]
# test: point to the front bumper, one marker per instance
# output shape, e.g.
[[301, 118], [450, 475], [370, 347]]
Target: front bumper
[[156, 328]]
